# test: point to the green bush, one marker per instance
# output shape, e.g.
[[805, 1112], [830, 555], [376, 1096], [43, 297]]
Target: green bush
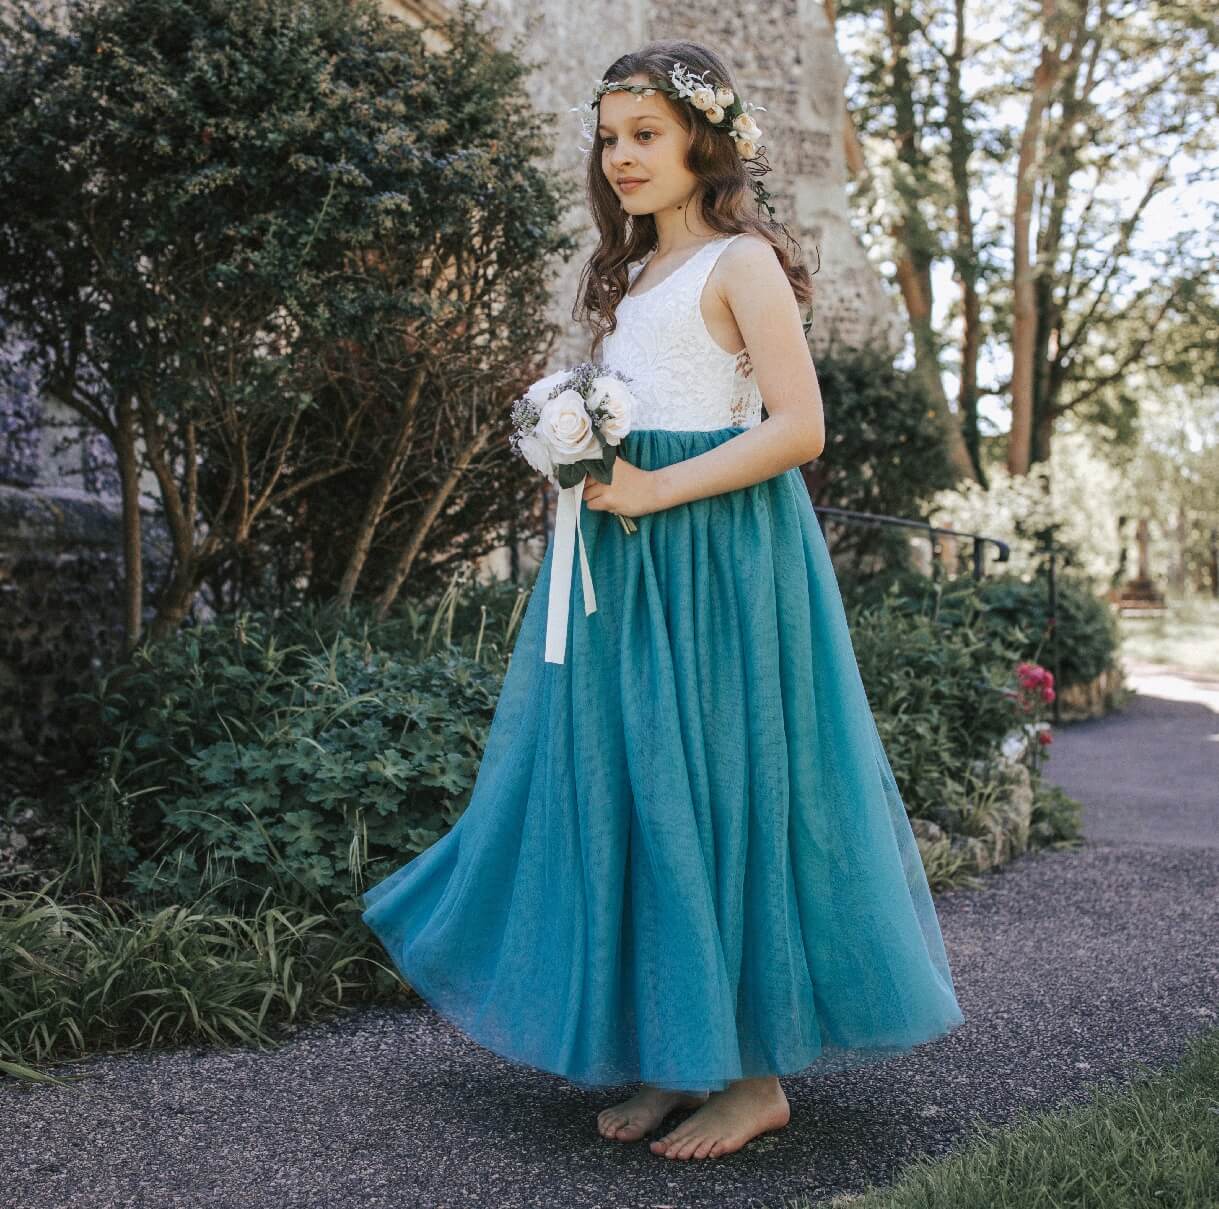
[[247, 752], [884, 453], [941, 693], [1007, 606], [316, 243], [317, 751]]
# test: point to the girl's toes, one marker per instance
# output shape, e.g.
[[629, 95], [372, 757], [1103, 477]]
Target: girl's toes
[[704, 1148], [688, 1148]]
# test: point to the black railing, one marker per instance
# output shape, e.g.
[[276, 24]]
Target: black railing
[[979, 540]]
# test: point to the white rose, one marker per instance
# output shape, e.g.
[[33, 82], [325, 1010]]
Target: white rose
[[619, 404], [534, 451], [540, 389], [566, 428], [715, 114], [703, 98], [744, 122], [746, 148], [724, 97]]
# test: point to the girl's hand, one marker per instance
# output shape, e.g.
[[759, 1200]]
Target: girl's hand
[[634, 492]]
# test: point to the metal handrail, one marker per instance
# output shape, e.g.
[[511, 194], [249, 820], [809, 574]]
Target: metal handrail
[[879, 518]]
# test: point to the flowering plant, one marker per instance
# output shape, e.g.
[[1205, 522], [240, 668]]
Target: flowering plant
[[567, 426], [1036, 682], [1035, 687]]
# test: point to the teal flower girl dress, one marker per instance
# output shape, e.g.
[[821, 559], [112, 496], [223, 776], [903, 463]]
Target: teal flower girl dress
[[685, 859]]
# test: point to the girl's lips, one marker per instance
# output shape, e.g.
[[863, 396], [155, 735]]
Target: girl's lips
[[627, 186]]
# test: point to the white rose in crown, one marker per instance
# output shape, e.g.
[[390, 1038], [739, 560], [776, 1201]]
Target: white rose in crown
[[566, 427], [618, 406], [747, 149], [703, 98], [724, 97], [715, 113], [747, 126]]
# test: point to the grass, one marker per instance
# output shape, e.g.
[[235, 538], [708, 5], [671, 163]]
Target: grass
[[1186, 636], [90, 975], [1154, 1143]]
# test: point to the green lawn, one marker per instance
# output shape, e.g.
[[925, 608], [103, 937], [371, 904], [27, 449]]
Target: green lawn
[[1187, 636], [1153, 1143]]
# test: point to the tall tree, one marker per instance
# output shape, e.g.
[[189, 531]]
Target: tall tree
[[1025, 143], [270, 248]]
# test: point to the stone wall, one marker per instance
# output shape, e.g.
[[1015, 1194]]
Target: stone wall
[[784, 57]]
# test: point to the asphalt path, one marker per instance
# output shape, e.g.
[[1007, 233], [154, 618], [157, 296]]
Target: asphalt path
[[1074, 970]]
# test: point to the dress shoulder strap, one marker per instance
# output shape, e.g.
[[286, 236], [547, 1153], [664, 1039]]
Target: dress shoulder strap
[[710, 254]]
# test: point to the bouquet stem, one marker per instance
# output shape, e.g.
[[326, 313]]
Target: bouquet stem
[[628, 523]]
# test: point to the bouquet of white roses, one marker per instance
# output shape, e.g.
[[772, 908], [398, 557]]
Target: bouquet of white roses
[[567, 426]]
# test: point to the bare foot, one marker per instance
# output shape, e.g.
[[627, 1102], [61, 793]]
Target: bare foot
[[729, 1118], [630, 1120]]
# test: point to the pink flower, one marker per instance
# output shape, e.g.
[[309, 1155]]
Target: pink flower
[[1044, 738], [1034, 677], [1047, 694]]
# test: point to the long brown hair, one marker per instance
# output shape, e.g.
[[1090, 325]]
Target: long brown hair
[[728, 201]]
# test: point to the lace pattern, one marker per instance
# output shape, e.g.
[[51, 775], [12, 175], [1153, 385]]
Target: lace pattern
[[682, 377]]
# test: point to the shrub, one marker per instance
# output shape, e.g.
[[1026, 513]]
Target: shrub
[[884, 453], [294, 254], [244, 751], [1006, 605], [940, 691], [317, 751]]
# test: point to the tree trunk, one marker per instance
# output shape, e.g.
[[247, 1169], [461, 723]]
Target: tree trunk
[[965, 256], [133, 552], [910, 234], [180, 514], [406, 559], [379, 496], [1024, 302]]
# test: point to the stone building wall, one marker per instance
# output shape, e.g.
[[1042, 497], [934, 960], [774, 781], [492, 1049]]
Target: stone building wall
[[784, 58]]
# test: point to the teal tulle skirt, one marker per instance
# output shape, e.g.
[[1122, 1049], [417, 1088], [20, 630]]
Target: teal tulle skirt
[[685, 859]]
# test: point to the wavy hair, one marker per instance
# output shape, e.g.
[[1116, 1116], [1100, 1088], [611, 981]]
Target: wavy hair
[[727, 199]]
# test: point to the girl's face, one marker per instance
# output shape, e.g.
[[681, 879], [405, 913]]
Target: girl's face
[[644, 141]]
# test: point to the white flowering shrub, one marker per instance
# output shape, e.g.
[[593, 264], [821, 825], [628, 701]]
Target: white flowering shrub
[[1077, 494]]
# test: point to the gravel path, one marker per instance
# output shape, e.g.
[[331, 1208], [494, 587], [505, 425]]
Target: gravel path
[[1072, 970]]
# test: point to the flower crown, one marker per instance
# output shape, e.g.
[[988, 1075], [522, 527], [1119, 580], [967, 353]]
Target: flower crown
[[720, 106]]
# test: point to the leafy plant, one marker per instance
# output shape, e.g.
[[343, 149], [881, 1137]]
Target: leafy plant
[[231, 757], [83, 974], [1012, 608], [884, 453], [940, 692]]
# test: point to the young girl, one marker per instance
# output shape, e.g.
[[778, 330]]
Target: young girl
[[685, 861]]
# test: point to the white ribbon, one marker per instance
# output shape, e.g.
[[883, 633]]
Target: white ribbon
[[566, 530]]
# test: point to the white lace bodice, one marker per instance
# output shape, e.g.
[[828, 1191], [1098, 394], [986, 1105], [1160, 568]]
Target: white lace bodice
[[681, 376]]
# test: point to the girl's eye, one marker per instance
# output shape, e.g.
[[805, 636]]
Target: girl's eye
[[608, 141]]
